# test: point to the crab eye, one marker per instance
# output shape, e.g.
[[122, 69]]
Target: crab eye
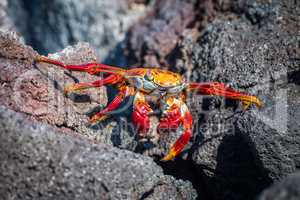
[[149, 76]]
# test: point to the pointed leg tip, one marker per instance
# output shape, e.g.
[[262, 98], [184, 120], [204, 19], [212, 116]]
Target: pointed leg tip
[[170, 156], [96, 119], [66, 90], [166, 158], [39, 59], [70, 88], [258, 103], [254, 100]]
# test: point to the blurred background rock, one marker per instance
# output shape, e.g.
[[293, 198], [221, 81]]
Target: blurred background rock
[[51, 25]]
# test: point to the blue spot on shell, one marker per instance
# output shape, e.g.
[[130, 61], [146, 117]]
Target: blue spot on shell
[[148, 85], [138, 83]]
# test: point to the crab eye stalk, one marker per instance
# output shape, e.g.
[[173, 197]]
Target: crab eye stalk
[[149, 76]]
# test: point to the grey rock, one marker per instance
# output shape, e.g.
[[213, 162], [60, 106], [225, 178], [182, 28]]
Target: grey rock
[[239, 54], [151, 41], [261, 57], [37, 90], [38, 162], [223, 157], [275, 138], [252, 46], [52, 25], [287, 189]]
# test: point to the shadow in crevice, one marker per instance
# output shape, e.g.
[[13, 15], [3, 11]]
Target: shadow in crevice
[[237, 176], [238, 173], [186, 170], [293, 77]]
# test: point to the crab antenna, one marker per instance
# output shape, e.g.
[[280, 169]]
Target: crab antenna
[[91, 68]]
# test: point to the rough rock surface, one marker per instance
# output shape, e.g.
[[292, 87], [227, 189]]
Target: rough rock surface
[[252, 46], [255, 64], [39, 163], [37, 90], [152, 40], [156, 39], [52, 25], [257, 147], [287, 189]]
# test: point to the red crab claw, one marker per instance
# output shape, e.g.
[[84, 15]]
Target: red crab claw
[[219, 89], [140, 114], [175, 116]]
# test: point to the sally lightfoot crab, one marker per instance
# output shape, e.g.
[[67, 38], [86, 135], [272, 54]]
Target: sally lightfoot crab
[[168, 88]]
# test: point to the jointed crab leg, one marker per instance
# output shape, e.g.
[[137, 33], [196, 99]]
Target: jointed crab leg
[[141, 110], [92, 68], [111, 79], [215, 88], [103, 114], [180, 143], [176, 113]]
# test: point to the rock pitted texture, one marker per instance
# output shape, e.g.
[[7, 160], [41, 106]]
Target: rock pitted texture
[[251, 45], [37, 90], [257, 147], [39, 163], [152, 40], [287, 189]]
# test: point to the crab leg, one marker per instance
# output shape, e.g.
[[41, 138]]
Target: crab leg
[[141, 110], [215, 88], [111, 79], [103, 114], [91, 68], [176, 114]]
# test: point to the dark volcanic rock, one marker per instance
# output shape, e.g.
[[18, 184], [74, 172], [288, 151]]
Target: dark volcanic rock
[[251, 45], [242, 55], [224, 158], [39, 163], [152, 40], [275, 139], [259, 56], [287, 189]]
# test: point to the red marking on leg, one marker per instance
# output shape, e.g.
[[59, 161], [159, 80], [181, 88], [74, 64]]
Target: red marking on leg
[[111, 106], [171, 120], [219, 89], [111, 79], [180, 143], [92, 68], [140, 118], [187, 121]]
